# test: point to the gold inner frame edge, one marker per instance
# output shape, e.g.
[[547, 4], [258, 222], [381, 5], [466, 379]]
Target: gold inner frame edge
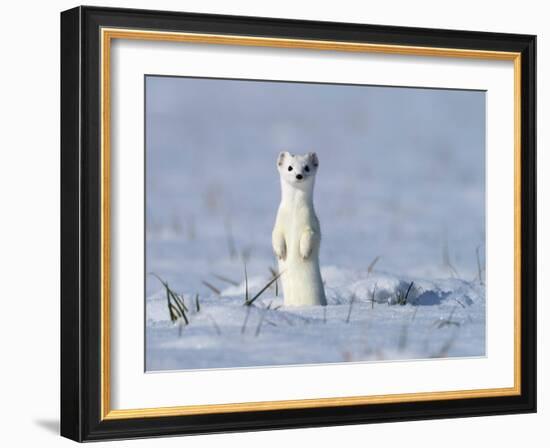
[[107, 35]]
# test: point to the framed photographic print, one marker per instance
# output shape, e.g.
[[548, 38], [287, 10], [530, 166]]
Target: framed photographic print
[[272, 223]]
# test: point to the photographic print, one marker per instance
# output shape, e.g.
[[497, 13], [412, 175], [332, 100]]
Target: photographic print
[[272, 223], [292, 223]]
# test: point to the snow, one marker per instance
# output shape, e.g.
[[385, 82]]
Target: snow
[[442, 319], [400, 195]]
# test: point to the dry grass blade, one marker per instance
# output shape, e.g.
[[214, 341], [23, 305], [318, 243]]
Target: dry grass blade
[[259, 327], [408, 291], [444, 350], [449, 321], [460, 303], [197, 303], [445, 323], [215, 324], [178, 300], [175, 303], [350, 307], [212, 287], [173, 317], [447, 261], [304, 319], [273, 274], [174, 311], [402, 299], [246, 253], [286, 319], [226, 280], [273, 280], [372, 264], [245, 284], [243, 328]]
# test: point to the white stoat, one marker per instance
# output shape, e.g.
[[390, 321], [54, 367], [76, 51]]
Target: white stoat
[[297, 235]]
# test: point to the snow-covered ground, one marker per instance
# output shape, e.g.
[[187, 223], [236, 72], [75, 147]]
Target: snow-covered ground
[[443, 318], [400, 189]]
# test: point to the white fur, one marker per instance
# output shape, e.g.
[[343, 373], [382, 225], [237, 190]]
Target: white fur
[[297, 235]]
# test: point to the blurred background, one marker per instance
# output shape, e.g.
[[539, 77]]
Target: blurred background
[[401, 176]]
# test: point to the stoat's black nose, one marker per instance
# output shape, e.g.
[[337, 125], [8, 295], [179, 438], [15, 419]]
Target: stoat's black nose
[[299, 176]]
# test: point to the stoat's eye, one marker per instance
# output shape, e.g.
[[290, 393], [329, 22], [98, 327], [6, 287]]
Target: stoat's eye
[[307, 169], [289, 168]]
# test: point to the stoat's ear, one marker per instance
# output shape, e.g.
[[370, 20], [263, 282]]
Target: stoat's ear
[[281, 158], [314, 159]]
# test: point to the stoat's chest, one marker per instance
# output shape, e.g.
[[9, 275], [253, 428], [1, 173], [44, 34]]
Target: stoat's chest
[[295, 217]]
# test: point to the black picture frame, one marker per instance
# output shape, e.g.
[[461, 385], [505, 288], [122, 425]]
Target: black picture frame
[[81, 224]]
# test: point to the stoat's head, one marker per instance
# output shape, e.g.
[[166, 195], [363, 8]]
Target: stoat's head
[[298, 170]]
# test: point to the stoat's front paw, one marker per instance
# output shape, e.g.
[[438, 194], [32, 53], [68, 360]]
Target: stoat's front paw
[[279, 247], [305, 252], [305, 248]]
